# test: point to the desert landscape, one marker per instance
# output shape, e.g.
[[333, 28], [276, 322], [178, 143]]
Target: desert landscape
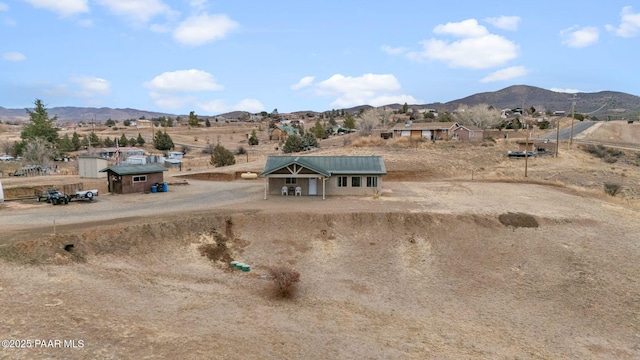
[[461, 256]]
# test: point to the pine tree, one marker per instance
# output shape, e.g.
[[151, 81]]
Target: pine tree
[[39, 125]]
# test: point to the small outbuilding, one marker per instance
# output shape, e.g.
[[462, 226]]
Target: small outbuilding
[[134, 178], [89, 166], [323, 175]]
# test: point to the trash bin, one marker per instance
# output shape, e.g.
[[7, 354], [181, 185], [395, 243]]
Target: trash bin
[[165, 187], [154, 189]]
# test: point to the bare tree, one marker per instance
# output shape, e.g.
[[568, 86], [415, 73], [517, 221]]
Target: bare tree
[[368, 120], [38, 152], [482, 116]]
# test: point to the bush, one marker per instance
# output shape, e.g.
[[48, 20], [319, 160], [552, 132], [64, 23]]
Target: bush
[[285, 280], [241, 150], [222, 157], [611, 188], [293, 144]]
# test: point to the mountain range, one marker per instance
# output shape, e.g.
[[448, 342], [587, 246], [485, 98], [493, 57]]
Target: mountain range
[[603, 104]]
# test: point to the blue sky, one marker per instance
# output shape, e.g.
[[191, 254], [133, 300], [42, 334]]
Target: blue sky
[[213, 57]]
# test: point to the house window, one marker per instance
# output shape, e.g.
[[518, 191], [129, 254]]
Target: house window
[[342, 181], [372, 181], [290, 181], [141, 178], [356, 181]]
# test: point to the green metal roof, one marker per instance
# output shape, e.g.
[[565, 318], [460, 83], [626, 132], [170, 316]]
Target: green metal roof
[[329, 165], [135, 169]]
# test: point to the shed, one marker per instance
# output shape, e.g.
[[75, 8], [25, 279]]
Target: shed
[[338, 175], [134, 178], [89, 166]]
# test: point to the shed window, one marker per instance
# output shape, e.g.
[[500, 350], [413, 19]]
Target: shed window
[[372, 181], [290, 181], [356, 181], [342, 181], [140, 178]]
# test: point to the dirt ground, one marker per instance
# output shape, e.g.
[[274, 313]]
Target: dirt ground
[[460, 257]]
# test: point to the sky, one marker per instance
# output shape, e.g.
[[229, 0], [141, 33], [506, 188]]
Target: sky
[[212, 57]]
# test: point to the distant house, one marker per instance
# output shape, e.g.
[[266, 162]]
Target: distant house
[[428, 130], [282, 132], [133, 178], [109, 152], [326, 175], [468, 133]]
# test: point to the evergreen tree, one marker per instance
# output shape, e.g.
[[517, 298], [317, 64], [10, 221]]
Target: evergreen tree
[[309, 139], [163, 141], [318, 130], [222, 157], [253, 139], [123, 141], [293, 144], [94, 140], [140, 140], [65, 144], [349, 122], [85, 141], [107, 142], [39, 125], [193, 119], [207, 123], [75, 139]]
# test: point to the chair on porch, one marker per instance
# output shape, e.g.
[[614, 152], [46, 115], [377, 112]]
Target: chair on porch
[[298, 191], [285, 191]]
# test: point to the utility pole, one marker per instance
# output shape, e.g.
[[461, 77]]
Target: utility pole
[[557, 137], [573, 107]]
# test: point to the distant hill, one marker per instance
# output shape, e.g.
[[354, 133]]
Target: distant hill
[[601, 104], [85, 114]]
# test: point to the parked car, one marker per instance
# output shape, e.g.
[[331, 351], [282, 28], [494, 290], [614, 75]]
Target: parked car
[[6, 157], [520, 153], [53, 196]]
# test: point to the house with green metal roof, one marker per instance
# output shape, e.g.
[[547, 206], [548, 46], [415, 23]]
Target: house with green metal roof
[[323, 175], [134, 178]]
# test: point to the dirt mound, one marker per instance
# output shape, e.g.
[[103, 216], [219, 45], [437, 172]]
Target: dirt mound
[[517, 220]]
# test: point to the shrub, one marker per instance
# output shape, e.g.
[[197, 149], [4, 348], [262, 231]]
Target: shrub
[[222, 157], [241, 150], [611, 188], [285, 280]]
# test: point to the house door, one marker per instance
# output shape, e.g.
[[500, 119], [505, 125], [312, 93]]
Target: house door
[[313, 186]]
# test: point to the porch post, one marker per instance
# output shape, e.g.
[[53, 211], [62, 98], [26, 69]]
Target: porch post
[[266, 181], [323, 180]]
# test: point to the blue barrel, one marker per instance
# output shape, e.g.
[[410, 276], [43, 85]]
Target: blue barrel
[[154, 189], [165, 187]]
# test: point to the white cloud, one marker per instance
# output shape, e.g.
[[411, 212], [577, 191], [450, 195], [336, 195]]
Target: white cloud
[[464, 29], [577, 37], [566, 91], [202, 29], [13, 56], [184, 81], [222, 106], [629, 25], [198, 4], [478, 49], [504, 22], [137, 10], [393, 50], [91, 86], [506, 74], [371, 89], [61, 7], [4, 7], [304, 82], [167, 101]]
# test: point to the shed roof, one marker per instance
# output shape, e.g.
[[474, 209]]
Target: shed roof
[[328, 165], [135, 169]]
